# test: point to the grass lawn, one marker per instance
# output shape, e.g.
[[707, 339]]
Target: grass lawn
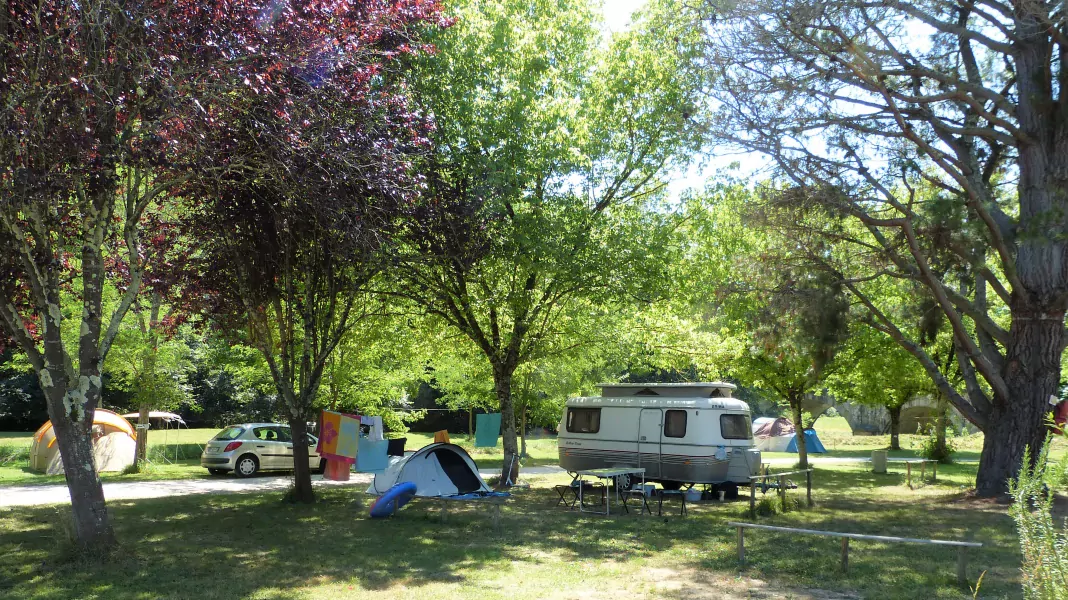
[[254, 546]]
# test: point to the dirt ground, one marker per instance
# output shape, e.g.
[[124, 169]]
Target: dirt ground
[[692, 584]]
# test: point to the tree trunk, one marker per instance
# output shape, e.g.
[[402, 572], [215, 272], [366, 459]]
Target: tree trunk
[[895, 427], [502, 382], [142, 434], [802, 451], [1032, 372], [523, 429], [302, 486], [940, 434], [92, 527]]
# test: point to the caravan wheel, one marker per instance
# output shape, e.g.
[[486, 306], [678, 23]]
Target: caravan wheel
[[730, 490]]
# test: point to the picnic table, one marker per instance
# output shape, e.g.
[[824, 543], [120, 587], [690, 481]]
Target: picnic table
[[608, 475]]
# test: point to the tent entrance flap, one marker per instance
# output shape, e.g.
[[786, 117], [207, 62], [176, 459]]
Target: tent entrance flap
[[458, 472]]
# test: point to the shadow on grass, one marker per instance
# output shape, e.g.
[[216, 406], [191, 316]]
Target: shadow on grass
[[251, 542], [253, 545]]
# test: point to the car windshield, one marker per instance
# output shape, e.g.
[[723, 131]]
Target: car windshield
[[230, 433]]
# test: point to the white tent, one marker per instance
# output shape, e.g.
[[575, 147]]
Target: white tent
[[436, 470]]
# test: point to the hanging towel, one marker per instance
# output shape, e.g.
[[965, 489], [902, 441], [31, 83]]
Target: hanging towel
[[487, 428], [338, 435], [377, 431], [441, 437], [372, 456]]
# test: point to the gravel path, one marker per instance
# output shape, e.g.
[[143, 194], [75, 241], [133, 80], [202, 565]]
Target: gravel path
[[36, 495]]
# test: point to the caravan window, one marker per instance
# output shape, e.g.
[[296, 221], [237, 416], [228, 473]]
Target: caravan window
[[735, 427], [675, 423], [583, 420]]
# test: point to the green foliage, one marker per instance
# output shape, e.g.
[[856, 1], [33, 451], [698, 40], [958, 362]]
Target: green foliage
[[13, 452], [934, 448], [880, 373], [1043, 543], [790, 319]]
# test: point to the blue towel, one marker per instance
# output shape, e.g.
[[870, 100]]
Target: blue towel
[[371, 457], [487, 428]]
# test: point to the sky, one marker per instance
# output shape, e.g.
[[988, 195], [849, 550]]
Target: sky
[[617, 13]]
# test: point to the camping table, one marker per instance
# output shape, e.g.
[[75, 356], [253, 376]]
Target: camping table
[[607, 474]]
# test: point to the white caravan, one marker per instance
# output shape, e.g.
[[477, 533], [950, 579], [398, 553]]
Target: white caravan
[[680, 433]]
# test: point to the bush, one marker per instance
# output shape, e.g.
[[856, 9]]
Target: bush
[[770, 505], [1043, 544], [10, 453], [931, 449]]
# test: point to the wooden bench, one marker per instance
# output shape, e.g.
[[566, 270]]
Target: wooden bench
[[781, 485], [961, 546], [923, 469]]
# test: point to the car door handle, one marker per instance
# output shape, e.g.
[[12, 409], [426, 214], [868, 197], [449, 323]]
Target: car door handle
[[289, 446], [261, 446], [643, 438]]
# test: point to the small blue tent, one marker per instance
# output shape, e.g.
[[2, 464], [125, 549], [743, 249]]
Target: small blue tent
[[812, 443]]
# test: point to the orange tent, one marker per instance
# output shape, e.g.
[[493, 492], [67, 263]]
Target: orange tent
[[113, 450]]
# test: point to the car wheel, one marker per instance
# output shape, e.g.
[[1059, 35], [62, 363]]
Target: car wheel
[[246, 466], [217, 471], [322, 466]]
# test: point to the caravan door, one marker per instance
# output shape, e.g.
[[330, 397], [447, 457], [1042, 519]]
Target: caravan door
[[650, 424]]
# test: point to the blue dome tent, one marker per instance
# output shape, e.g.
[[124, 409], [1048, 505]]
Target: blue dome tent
[[812, 443]]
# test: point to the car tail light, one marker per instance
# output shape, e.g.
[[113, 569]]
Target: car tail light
[[232, 446]]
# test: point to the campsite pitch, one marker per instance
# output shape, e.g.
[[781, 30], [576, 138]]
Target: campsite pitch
[[254, 546]]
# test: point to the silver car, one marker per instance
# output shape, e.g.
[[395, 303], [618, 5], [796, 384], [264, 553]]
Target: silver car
[[249, 448]]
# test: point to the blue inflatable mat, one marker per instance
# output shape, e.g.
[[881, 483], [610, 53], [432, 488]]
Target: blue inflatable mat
[[479, 495], [392, 501]]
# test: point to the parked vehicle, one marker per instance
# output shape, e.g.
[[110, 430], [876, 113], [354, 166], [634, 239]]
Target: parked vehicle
[[249, 448], [680, 433]]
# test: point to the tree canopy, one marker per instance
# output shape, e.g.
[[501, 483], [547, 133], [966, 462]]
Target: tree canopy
[[939, 128]]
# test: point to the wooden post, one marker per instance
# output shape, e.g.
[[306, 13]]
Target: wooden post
[[923, 471], [497, 517], [444, 511], [808, 485], [962, 565], [782, 491], [752, 500], [845, 554], [908, 477], [934, 471], [741, 545]]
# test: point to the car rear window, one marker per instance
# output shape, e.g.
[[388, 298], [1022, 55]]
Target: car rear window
[[230, 433]]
